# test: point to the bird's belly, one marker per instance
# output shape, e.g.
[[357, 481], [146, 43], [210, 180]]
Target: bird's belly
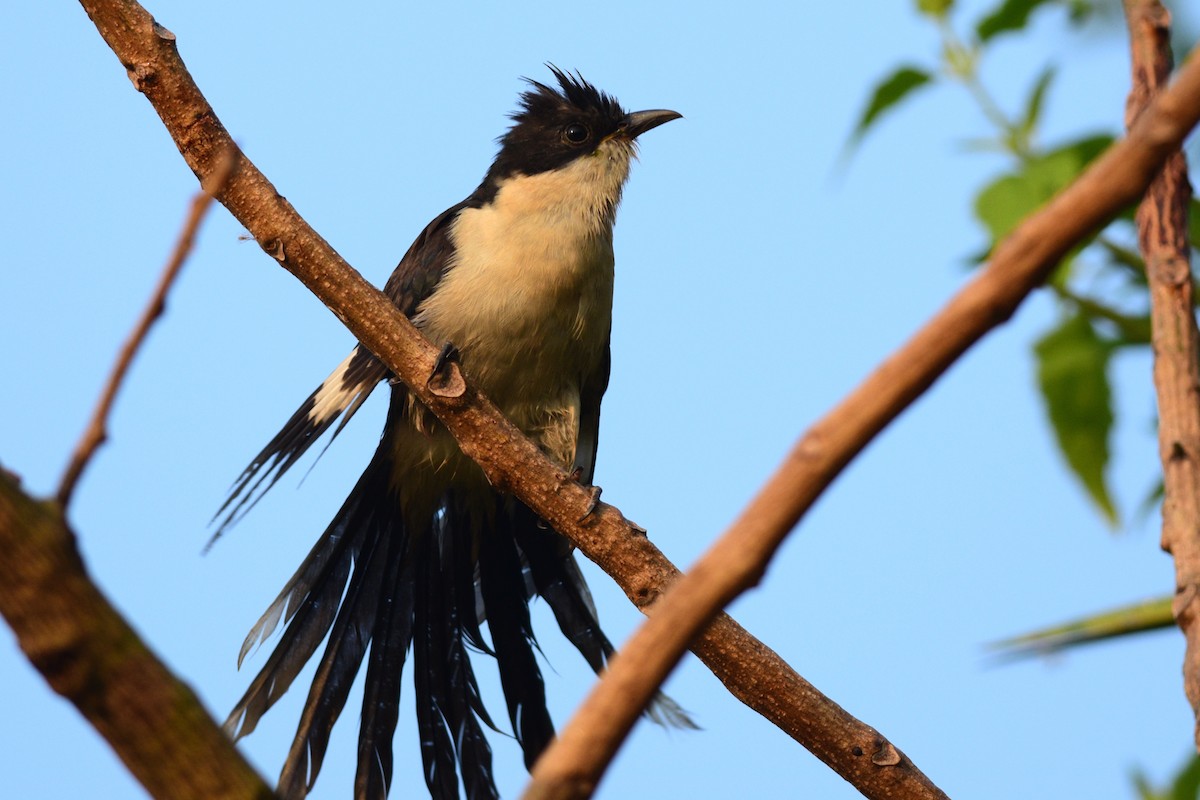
[[528, 339], [545, 410]]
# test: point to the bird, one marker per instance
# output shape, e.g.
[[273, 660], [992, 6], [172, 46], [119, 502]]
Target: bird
[[515, 283]]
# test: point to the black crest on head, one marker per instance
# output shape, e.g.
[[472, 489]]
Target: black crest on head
[[553, 126]]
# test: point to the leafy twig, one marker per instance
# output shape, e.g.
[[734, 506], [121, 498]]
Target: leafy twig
[[1150, 615]]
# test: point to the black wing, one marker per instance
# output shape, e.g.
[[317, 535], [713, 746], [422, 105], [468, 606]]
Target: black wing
[[341, 394], [592, 390]]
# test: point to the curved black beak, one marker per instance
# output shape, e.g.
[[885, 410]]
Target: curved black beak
[[639, 122]]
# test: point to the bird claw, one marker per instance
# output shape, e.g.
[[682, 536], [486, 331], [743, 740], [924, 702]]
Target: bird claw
[[593, 501], [447, 356], [576, 475]]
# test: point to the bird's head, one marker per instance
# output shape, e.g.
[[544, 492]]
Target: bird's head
[[575, 131]]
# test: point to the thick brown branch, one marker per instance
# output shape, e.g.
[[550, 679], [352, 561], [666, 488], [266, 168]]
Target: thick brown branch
[[751, 670], [90, 656], [97, 430], [1162, 237], [577, 759]]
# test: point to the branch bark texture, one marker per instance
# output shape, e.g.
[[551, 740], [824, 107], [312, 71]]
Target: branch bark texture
[[1162, 221], [575, 762], [90, 655], [751, 670]]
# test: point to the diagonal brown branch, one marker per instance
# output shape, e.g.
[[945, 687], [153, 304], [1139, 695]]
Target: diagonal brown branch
[[97, 429], [90, 655], [751, 671], [1162, 237], [574, 763]]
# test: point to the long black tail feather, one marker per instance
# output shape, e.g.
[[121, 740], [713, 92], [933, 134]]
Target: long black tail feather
[[463, 571], [457, 555], [449, 709], [505, 600], [339, 396], [385, 666], [437, 745], [339, 664], [376, 588], [558, 580], [309, 601]]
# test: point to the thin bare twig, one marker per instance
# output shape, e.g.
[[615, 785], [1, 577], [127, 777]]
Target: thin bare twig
[[576, 760], [1162, 238], [748, 668], [97, 429]]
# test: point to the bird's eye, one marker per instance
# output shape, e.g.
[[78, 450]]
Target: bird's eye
[[576, 133]]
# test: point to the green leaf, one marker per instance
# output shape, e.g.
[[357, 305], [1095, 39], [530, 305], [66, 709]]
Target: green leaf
[[935, 8], [1010, 198], [1151, 501], [984, 144], [1184, 786], [1150, 615], [1073, 376], [1141, 785], [1127, 258], [1128, 329], [1080, 11], [1134, 331], [890, 91], [1033, 107], [1010, 15]]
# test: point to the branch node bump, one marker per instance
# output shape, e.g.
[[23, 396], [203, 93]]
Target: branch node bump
[[1173, 271], [447, 382], [886, 756], [274, 248], [140, 75], [163, 33], [1183, 604]]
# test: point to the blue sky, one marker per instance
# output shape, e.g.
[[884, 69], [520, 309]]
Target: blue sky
[[756, 284]]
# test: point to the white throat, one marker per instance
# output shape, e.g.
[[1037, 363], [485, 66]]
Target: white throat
[[528, 299]]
